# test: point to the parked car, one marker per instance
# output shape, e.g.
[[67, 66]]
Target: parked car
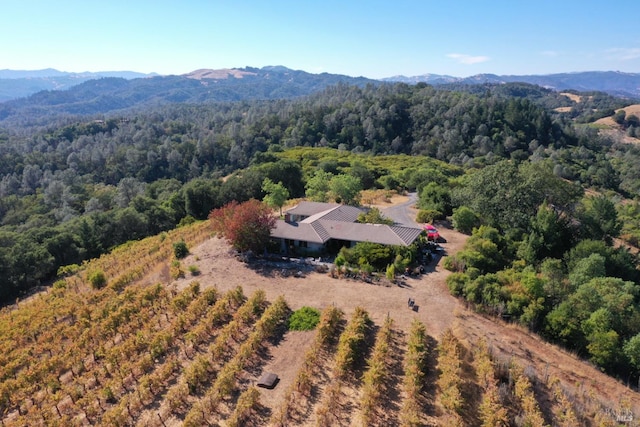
[[432, 233]]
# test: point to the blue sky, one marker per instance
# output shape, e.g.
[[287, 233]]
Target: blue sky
[[358, 38]]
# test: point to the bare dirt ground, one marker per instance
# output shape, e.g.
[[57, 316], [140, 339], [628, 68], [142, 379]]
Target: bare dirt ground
[[563, 109], [575, 98], [287, 357], [437, 309], [572, 96]]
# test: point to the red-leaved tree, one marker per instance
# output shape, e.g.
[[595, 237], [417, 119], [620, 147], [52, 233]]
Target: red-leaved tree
[[247, 226]]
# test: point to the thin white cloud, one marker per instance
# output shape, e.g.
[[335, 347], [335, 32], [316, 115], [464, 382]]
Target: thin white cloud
[[624, 53], [550, 53], [467, 59]]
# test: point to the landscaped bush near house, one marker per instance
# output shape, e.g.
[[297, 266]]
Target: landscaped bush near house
[[401, 263], [365, 254], [391, 272], [428, 215], [304, 319]]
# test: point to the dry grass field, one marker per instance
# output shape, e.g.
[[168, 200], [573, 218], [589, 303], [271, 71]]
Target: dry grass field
[[608, 121]]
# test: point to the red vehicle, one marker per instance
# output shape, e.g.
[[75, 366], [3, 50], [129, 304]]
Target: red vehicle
[[432, 233]]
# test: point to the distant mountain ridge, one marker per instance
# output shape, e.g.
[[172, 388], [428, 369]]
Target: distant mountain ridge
[[52, 72], [612, 82], [21, 83], [15, 84], [108, 94]]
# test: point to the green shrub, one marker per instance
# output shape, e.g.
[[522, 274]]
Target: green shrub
[[108, 395], [186, 221], [428, 215], [304, 319], [456, 283], [180, 249], [401, 263], [60, 284], [194, 270], [465, 220], [391, 272], [68, 270], [449, 263], [97, 279], [366, 268], [175, 270]]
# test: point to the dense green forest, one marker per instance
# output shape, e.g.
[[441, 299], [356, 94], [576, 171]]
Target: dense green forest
[[501, 159]]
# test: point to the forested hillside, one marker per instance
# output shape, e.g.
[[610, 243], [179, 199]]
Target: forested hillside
[[110, 94], [549, 200], [72, 191]]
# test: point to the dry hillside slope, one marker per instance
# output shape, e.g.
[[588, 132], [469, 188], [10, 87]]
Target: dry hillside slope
[[148, 350]]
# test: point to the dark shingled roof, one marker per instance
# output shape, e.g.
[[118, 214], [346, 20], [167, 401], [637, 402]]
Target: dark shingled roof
[[338, 222], [406, 234], [310, 208], [298, 231], [341, 213]]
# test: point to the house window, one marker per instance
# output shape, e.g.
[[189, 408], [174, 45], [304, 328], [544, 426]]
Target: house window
[[302, 244]]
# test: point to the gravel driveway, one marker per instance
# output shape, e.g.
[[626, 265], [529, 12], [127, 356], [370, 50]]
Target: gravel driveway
[[404, 213]]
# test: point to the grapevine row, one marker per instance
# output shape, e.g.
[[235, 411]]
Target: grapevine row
[[327, 330], [450, 379], [43, 320], [374, 378], [565, 414], [351, 347], [415, 369], [492, 412], [202, 369], [523, 390], [152, 382], [225, 384]]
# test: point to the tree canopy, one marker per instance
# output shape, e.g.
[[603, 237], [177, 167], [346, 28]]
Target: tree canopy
[[247, 226], [276, 194]]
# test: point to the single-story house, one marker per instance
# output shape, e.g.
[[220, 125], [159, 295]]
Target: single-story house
[[313, 227]]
